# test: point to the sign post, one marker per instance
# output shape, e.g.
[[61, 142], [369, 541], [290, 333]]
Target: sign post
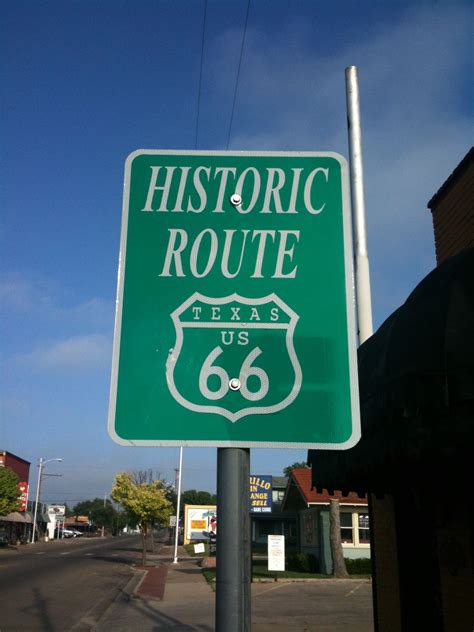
[[235, 323]]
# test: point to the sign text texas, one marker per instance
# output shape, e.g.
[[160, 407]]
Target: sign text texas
[[234, 322]]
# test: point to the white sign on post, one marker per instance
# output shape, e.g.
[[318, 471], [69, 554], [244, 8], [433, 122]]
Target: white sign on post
[[56, 510], [276, 552]]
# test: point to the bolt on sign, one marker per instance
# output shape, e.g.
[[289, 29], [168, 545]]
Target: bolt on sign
[[235, 305]]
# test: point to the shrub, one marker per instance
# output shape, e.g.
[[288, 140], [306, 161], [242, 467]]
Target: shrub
[[360, 566], [302, 563]]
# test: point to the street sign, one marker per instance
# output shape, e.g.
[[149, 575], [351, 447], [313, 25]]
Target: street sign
[[276, 552], [199, 521], [235, 307], [56, 510], [261, 494]]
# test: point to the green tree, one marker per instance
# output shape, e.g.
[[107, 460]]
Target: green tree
[[144, 500], [171, 495], [195, 497], [101, 514], [287, 470], [68, 510], [9, 492]]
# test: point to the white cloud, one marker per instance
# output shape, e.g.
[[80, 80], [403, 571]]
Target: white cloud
[[19, 294], [76, 353], [40, 299], [413, 78]]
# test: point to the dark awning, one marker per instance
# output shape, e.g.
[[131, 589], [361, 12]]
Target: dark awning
[[416, 380], [14, 516]]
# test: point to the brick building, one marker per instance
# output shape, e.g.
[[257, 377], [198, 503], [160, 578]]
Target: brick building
[[452, 211], [12, 526], [15, 463]]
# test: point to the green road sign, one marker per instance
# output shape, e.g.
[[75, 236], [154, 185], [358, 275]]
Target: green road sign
[[235, 322]]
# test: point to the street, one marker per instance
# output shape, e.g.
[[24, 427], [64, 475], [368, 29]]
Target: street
[[65, 584], [80, 585]]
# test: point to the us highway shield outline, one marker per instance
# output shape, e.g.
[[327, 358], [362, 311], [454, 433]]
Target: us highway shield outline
[[174, 353]]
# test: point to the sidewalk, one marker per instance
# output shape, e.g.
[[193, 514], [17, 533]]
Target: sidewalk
[[176, 597], [170, 596]]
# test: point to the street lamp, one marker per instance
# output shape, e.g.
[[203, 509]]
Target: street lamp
[[38, 487]]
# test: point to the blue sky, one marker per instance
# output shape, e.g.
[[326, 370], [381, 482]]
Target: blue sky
[[84, 83]]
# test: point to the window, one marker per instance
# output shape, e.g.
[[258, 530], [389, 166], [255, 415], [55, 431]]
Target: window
[[308, 528], [346, 528], [363, 528], [355, 528], [265, 528]]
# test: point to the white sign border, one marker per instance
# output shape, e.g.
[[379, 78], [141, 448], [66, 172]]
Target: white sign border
[[350, 307]]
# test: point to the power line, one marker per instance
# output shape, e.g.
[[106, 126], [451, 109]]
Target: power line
[[238, 74], [200, 74]]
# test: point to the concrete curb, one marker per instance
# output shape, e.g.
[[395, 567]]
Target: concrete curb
[[134, 584], [289, 580]]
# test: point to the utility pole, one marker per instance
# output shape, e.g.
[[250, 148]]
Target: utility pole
[[103, 526], [41, 465], [361, 256], [176, 537]]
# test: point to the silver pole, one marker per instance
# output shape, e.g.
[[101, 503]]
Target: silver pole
[[178, 507], [38, 484], [362, 272], [233, 612]]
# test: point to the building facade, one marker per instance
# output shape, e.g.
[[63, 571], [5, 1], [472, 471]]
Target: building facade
[[311, 506]]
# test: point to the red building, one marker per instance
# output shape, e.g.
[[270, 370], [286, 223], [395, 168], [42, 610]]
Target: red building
[[17, 464], [21, 469]]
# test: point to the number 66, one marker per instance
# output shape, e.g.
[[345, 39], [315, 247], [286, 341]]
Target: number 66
[[246, 371]]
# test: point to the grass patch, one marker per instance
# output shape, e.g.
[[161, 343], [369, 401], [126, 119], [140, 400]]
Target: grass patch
[[190, 550], [210, 576], [260, 571], [356, 568]]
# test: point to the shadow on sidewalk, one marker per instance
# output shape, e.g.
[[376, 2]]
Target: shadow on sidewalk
[[163, 621]]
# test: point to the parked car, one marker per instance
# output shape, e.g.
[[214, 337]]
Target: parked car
[[63, 533], [76, 533]]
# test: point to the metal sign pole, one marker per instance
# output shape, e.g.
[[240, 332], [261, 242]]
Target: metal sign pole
[[233, 541], [363, 294], [362, 272]]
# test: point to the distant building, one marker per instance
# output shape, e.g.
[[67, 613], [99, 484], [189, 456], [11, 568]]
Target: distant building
[[312, 508], [15, 526], [20, 466], [275, 522]]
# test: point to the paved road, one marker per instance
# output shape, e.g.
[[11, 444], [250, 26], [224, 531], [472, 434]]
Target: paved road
[[63, 585], [84, 585]]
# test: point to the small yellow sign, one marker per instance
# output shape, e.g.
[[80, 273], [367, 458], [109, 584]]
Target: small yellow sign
[[198, 524]]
